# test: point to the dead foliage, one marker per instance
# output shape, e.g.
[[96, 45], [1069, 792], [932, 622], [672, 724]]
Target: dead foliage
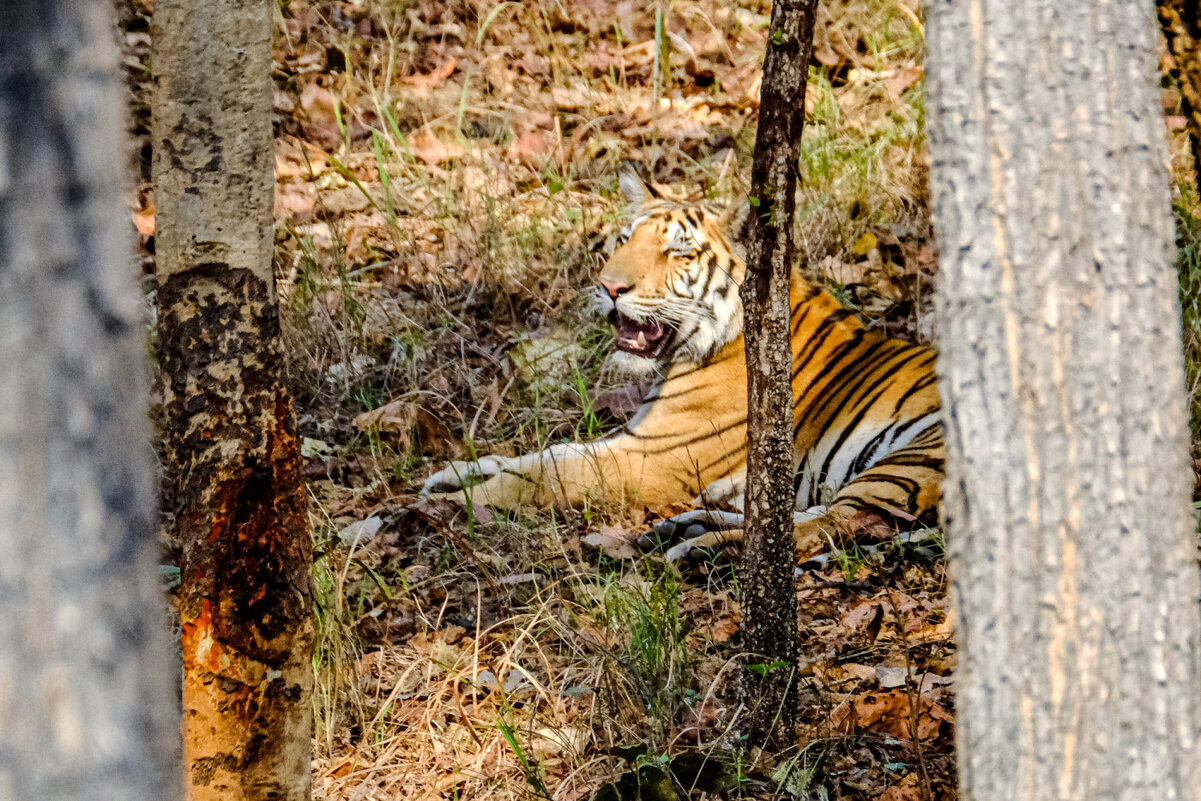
[[445, 184]]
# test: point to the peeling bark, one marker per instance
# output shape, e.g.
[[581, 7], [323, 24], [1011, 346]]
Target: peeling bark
[[1074, 577], [86, 707], [766, 572], [233, 455]]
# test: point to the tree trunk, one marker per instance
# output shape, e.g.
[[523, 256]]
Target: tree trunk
[[85, 692], [766, 574], [1182, 26], [1073, 570], [246, 597]]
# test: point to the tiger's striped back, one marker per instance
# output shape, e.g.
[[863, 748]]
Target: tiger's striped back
[[859, 396]]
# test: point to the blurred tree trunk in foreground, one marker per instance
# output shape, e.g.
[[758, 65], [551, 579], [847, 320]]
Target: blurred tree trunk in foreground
[[233, 457], [767, 572], [86, 709], [1182, 26], [1074, 576]]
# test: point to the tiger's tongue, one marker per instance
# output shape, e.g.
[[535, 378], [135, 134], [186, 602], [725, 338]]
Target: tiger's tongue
[[641, 332]]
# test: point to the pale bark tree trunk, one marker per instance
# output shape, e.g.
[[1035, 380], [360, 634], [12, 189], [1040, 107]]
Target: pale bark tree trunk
[[1182, 26], [246, 595], [1073, 570], [766, 573], [86, 709]]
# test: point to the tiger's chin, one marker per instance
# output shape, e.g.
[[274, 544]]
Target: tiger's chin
[[634, 368]]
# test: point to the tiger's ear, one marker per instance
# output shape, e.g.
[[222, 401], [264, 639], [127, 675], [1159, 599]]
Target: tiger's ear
[[636, 190], [735, 219]]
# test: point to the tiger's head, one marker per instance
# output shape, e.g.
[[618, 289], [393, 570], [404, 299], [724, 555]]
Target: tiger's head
[[671, 286]]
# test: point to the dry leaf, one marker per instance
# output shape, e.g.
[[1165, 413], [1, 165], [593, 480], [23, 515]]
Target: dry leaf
[[533, 148], [427, 147], [515, 679], [614, 541], [533, 64], [889, 712], [144, 221], [339, 202], [907, 789], [724, 626], [572, 98], [858, 672], [742, 83], [939, 632], [866, 616], [319, 103], [420, 85], [343, 766], [361, 531], [841, 272], [699, 719], [501, 77], [431, 642], [295, 158], [413, 426], [295, 202], [902, 79], [445, 508]]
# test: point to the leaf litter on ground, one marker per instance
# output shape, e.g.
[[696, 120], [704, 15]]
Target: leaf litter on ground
[[445, 185]]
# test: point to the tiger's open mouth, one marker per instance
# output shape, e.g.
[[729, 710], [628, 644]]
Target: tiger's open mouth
[[647, 339]]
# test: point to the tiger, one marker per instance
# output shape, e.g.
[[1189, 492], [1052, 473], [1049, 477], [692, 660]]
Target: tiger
[[866, 416]]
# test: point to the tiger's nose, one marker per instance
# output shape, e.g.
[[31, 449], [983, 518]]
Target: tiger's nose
[[615, 288]]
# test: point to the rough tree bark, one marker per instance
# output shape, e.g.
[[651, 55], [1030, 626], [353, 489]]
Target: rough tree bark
[[246, 596], [1067, 498], [86, 708], [766, 573], [1182, 26]]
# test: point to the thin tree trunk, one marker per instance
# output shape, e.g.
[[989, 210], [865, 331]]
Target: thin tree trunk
[[1182, 26], [766, 575], [246, 597], [85, 692], [1074, 576]]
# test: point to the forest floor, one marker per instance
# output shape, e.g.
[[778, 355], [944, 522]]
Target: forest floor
[[445, 186]]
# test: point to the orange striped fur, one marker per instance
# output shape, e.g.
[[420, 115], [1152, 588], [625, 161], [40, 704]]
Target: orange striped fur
[[867, 430]]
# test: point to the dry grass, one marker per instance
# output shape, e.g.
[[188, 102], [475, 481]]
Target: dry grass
[[444, 205], [445, 187], [512, 683], [1187, 204]]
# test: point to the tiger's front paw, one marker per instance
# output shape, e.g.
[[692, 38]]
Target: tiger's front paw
[[492, 481], [688, 526], [696, 534], [458, 476]]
